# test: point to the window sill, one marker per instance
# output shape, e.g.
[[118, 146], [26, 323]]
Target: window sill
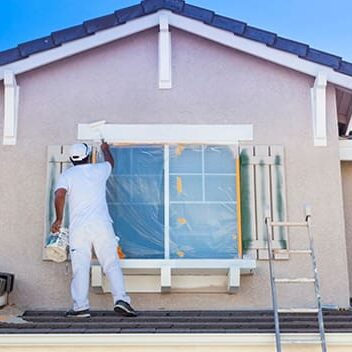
[[177, 275]]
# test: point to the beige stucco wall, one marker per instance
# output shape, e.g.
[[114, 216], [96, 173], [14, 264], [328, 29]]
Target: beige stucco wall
[[212, 84]]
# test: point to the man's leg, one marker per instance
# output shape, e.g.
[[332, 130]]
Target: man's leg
[[80, 250], [105, 246]]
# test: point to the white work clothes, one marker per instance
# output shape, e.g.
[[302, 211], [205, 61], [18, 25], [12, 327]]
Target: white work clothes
[[91, 226], [101, 236], [86, 190]]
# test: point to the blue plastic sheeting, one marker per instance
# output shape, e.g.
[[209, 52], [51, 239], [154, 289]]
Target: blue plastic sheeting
[[201, 201], [135, 196]]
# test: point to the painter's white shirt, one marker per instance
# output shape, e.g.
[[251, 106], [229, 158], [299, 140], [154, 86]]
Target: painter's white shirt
[[86, 190]]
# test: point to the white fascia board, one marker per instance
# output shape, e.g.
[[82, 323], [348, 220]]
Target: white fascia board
[[81, 45], [168, 133], [192, 339], [260, 50]]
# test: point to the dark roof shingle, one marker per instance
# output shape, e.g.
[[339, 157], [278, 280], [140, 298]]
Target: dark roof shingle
[[68, 34], [206, 16], [179, 322], [100, 23]]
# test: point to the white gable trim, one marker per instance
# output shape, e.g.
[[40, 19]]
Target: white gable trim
[[318, 96], [167, 133], [164, 52], [193, 26], [11, 100]]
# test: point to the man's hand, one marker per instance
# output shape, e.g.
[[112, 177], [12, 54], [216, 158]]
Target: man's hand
[[55, 227], [105, 148]]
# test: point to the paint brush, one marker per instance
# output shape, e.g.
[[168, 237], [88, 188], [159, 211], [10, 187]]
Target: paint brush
[[97, 128]]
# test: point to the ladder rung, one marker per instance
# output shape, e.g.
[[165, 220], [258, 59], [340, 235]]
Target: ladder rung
[[308, 341], [298, 310], [293, 251], [297, 280], [288, 224]]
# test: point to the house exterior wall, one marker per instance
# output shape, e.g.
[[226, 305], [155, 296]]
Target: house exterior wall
[[212, 84], [346, 172]]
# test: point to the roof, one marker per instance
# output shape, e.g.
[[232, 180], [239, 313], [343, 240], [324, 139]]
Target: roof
[[179, 7], [158, 322]]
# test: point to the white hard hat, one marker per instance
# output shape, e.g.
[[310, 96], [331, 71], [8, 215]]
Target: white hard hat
[[79, 151]]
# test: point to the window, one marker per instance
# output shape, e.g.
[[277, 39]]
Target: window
[[175, 201]]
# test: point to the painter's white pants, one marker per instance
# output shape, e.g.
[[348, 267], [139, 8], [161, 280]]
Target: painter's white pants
[[102, 237]]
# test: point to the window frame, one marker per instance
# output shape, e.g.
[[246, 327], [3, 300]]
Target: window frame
[[167, 202], [173, 134]]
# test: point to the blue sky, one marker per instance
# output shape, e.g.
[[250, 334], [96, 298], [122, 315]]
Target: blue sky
[[323, 24]]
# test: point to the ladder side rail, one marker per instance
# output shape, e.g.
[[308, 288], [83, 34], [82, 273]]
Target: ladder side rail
[[316, 284], [273, 285]]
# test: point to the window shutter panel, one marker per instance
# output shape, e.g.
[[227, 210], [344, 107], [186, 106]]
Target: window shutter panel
[[262, 186], [57, 162], [248, 220], [278, 196]]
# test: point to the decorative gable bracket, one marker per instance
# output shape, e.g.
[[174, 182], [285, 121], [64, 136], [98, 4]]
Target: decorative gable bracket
[[164, 52], [11, 98], [318, 95]]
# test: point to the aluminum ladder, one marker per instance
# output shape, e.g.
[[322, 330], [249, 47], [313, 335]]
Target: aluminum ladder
[[314, 280]]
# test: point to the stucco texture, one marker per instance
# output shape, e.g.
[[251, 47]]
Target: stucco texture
[[212, 84]]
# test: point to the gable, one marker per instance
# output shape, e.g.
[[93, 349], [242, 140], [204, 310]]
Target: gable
[[183, 16]]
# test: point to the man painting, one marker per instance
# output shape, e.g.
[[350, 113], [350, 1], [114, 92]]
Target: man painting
[[90, 226]]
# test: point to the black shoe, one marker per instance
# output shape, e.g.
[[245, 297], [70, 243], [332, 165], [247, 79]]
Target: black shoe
[[85, 313], [124, 308]]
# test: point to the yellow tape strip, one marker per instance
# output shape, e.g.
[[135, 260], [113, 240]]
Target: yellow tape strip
[[180, 253], [182, 221], [179, 149], [120, 253], [179, 184], [238, 192], [94, 156]]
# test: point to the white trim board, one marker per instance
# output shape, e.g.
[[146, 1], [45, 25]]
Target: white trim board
[[11, 102], [345, 146], [167, 133], [175, 339], [189, 277], [248, 46]]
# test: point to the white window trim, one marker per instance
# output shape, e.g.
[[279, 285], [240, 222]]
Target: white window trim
[[168, 134], [173, 274]]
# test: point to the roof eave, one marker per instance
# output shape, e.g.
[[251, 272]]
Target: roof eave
[[190, 25]]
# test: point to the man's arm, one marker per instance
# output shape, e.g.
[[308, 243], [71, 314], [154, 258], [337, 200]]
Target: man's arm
[[60, 196], [107, 154]]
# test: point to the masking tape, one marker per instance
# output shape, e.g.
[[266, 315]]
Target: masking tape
[[120, 253], [179, 184], [182, 221], [179, 149]]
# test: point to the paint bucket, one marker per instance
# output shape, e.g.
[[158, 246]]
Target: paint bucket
[[57, 246]]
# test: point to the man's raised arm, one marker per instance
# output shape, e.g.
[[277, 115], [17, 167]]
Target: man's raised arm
[[107, 154]]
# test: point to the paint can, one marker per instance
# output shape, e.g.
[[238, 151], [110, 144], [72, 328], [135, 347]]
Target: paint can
[[57, 246]]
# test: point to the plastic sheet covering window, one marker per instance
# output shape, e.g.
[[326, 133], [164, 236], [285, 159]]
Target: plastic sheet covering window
[[201, 201]]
